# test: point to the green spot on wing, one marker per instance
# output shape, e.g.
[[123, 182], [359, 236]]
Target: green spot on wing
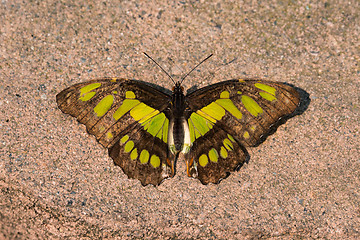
[[146, 124], [228, 144], [88, 88], [267, 96], [210, 119], [87, 96], [109, 135], [197, 133], [134, 154], [129, 146], [140, 111], [124, 139], [213, 155], [246, 135], [224, 94], [144, 156], [159, 133], [214, 110], [200, 123], [231, 138], [223, 152], [130, 94], [152, 114], [266, 88], [230, 107], [104, 105], [156, 123], [203, 160], [155, 161], [165, 130], [125, 107], [251, 105]]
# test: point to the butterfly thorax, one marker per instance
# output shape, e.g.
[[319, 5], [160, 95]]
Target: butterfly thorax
[[177, 102], [178, 139]]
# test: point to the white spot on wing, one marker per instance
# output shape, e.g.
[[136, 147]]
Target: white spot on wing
[[187, 140], [170, 141]]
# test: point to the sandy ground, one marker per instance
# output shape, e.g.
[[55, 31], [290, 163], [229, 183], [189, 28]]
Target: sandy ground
[[57, 182]]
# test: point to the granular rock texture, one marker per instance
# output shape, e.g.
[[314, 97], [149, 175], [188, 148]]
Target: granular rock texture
[[57, 182]]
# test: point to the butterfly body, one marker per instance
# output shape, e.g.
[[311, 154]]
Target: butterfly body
[[178, 128], [145, 128]]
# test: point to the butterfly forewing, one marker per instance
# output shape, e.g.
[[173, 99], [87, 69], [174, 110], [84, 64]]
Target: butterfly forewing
[[226, 117], [128, 117]]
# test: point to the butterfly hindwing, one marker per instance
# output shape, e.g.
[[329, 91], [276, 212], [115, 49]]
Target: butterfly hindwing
[[143, 156], [226, 117], [213, 156], [129, 118]]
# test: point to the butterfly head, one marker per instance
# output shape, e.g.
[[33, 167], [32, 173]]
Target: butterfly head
[[178, 88]]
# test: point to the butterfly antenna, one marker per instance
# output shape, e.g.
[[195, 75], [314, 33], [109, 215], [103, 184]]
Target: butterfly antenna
[[182, 79], [160, 67]]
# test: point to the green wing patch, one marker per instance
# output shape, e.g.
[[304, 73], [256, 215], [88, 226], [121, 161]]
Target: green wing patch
[[201, 121]]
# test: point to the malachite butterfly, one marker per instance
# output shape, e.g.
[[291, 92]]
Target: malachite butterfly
[[146, 127]]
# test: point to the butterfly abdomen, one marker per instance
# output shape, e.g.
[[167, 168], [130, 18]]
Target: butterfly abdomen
[[178, 133]]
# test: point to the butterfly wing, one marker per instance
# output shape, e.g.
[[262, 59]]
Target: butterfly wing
[[226, 117], [129, 118]]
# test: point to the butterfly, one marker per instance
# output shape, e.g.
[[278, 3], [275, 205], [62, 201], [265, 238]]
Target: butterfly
[[145, 127]]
